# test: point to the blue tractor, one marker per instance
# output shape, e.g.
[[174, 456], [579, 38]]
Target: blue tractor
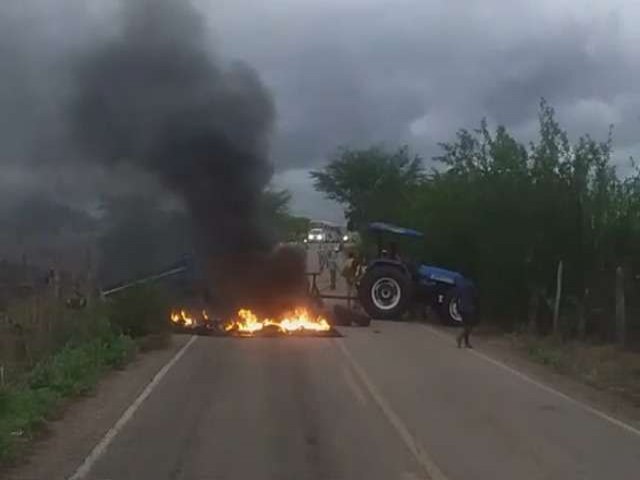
[[390, 283]]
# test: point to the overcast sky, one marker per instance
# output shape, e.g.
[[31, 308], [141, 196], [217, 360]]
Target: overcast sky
[[357, 72]]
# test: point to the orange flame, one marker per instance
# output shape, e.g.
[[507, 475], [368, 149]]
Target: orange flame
[[182, 317], [297, 321]]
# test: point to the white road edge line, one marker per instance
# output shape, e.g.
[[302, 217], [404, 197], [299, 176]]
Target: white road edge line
[[102, 446], [422, 457], [542, 386]]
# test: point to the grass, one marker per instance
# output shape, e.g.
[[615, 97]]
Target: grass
[[53, 353], [74, 370], [50, 353], [549, 355]]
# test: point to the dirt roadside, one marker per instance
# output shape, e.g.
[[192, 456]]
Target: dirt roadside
[[67, 441], [511, 352]]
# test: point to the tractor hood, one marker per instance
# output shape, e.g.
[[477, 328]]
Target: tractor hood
[[435, 274]]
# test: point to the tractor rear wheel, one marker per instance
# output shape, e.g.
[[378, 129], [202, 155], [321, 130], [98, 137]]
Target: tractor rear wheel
[[385, 292]]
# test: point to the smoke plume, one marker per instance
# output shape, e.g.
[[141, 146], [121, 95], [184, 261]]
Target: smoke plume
[[154, 95]]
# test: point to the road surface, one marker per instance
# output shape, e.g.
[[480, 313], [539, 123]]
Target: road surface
[[393, 401]]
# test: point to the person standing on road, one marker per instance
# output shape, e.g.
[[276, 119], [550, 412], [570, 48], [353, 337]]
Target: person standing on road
[[349, 272], [332, 264], [465, 297], [321, 258]]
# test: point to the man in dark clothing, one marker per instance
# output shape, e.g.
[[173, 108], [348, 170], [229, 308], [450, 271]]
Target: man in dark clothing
[[465, 297]]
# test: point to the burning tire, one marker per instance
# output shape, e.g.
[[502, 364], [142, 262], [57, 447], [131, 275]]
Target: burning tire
[[385, 292]]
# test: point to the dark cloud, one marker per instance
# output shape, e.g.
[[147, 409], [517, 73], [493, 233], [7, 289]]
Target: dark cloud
[[567, 68], [415, 71], [366, 71]]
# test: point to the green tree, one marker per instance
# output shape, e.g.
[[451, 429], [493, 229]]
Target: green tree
[[372, 184], [505, 213], [478, 216]]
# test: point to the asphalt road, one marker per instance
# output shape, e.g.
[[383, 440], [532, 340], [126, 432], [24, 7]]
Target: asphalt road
[[393, 401]]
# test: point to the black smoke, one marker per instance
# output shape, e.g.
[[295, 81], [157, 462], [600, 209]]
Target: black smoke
[[139, 238], [154, 95]]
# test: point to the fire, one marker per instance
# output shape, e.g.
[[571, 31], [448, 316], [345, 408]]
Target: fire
[[247, 323], [297, 321], [183, 318]]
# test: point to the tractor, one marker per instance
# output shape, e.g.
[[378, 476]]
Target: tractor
[[391, 284]]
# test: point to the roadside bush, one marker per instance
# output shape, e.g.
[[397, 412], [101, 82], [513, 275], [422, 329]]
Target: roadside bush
[[36, 328], [21, 413], [53, 353], [140, 311], [74, 370], [547, 355]]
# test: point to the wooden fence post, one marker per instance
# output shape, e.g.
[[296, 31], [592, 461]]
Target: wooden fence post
[[556, 306], [621, 320]]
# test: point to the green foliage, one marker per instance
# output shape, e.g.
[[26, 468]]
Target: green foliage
[[550, 356], [72, 371], [21, 413], [81, 326], [371, 184], [76, 369], [502, 212], [69, 350], [140, 311]]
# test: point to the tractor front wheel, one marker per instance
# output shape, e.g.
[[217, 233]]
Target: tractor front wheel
[[450, 310]]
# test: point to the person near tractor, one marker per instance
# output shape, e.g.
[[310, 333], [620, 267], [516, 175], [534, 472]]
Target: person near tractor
[[349, 271], [465, 294], [321, 258], [332, 264]]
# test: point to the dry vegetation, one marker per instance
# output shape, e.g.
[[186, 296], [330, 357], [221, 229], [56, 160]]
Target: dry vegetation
[[605, 367], [50, 352]]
